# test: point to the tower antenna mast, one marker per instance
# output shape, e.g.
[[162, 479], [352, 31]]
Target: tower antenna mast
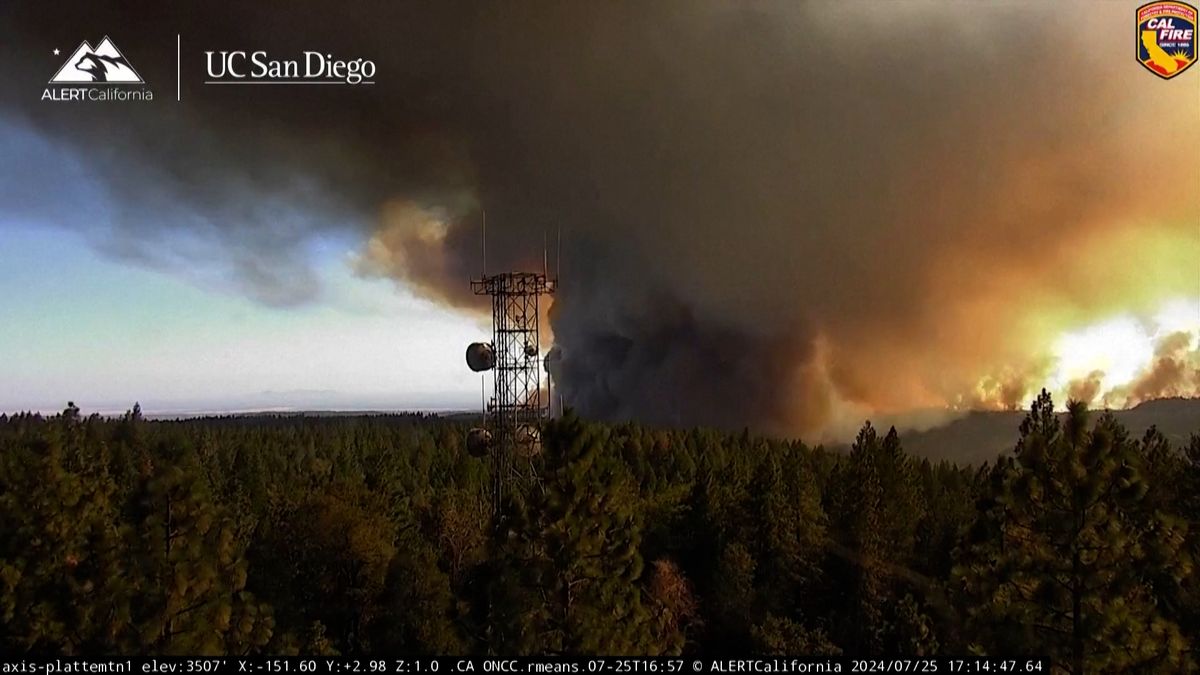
[[512, 430]]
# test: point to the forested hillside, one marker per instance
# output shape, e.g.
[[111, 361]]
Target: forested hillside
[[350, 534]]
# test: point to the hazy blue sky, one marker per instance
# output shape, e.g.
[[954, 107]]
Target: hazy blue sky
[[79, 324]]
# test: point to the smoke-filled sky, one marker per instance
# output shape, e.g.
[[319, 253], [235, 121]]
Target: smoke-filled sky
[[785, 215]]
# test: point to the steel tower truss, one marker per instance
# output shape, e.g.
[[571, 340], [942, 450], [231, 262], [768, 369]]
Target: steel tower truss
[[518, 407]]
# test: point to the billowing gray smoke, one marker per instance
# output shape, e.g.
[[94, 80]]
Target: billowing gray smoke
[[778, 214]]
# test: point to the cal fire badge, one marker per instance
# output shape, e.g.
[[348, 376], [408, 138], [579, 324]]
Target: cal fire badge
[[1166, 37]]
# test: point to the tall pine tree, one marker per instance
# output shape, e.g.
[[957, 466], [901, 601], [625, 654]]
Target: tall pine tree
[[569, 560], [1060, 559]]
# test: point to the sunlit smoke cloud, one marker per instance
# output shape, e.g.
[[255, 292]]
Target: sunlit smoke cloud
[[1086, 389], [1125, 360]]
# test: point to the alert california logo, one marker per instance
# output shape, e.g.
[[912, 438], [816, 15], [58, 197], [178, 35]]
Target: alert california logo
[[1166, 37], [100, 73]]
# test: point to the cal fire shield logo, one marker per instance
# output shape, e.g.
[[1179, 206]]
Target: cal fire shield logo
[[104, 64], [1166, 37]]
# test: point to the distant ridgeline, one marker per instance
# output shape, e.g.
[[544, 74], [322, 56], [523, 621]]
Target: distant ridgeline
[[979, 436], [373, 534]]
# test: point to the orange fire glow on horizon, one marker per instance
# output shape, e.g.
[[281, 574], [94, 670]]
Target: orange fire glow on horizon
[[1117, 362]]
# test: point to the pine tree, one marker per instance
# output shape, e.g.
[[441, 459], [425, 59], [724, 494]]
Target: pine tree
[[189, 569], [569, 559], [791, 527], [733, 602], [674, 605], [62, 576], [418, 605], [859, 574], [327, 559], [1059, 560], [786, 547], [1189, 509], [783, 637], [903, 505], [877, 507], [1164, 469]]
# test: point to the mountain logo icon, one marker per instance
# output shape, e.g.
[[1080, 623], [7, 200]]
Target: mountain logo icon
[[104, 65]]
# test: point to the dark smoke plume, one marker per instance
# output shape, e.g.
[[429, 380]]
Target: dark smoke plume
[[780, 214]]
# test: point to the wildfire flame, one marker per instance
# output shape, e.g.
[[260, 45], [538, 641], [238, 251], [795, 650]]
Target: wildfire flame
[[1116, 362]]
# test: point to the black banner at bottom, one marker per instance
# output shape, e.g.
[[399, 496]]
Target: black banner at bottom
[[342, 665]]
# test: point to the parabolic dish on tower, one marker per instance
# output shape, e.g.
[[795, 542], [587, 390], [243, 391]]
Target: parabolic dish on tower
[[481, 356], [478, 442]]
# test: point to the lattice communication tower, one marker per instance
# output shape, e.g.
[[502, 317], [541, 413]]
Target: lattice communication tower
[[519, 406]]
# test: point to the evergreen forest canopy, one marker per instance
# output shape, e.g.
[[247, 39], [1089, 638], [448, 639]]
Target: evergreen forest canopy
[[324, 535]]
